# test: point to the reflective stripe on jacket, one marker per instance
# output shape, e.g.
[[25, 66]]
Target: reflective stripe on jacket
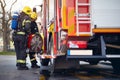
[[25, 21], [21, 33]]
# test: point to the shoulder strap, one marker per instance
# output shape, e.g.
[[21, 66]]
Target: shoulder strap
[[20, 21]]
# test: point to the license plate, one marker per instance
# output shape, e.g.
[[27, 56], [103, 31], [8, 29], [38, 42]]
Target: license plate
[[79, 52]]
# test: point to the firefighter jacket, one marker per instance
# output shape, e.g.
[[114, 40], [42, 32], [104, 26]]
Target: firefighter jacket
[[34, 28], [24, 24]]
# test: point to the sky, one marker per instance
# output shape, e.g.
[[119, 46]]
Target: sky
[[18, 6]]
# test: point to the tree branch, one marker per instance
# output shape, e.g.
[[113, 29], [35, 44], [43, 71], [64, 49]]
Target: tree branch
[[4, 3], [2, 6], [13, 4]]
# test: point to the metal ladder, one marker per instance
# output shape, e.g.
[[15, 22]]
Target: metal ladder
[[83, 18]]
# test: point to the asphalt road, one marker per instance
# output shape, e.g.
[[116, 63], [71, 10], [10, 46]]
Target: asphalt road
[[8, 70], [101, 71]]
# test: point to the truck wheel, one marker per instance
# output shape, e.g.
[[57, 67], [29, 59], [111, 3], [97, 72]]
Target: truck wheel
[[116, 66], [44, 62]]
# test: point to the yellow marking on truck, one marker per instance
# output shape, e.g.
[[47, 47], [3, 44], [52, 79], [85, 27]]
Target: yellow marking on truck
[[64, 14], [70, 13], [106, 30], [71, 30]]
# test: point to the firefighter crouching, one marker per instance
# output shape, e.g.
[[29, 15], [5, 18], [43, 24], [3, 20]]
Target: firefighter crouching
[[20, 37], [31, 42]]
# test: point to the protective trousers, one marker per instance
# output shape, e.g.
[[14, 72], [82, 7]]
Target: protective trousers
[[32, 58], [20, 48]]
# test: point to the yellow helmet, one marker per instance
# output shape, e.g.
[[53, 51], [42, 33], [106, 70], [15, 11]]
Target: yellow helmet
[[27, 10], [33, 15]]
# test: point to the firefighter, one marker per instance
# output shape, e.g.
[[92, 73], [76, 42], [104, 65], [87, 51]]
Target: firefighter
[[20, 37], [34, 31]]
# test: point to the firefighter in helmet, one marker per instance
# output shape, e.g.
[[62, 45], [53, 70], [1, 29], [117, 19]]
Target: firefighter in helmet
[[20, 37], [34, 31]]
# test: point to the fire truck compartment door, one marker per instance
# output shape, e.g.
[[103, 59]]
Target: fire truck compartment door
[[106, 13]]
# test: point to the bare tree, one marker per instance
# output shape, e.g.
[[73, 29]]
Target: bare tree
[[5, 17]]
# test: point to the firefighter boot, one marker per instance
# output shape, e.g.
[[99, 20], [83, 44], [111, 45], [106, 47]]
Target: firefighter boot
[[34, 64], [22, 67]]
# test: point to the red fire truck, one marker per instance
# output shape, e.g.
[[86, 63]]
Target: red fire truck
[[80, 30]]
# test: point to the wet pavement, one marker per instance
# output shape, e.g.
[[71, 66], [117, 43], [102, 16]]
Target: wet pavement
[[102, 71], [8, 70]]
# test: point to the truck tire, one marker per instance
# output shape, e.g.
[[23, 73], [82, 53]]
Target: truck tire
[[45, 72], [44, 62]]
